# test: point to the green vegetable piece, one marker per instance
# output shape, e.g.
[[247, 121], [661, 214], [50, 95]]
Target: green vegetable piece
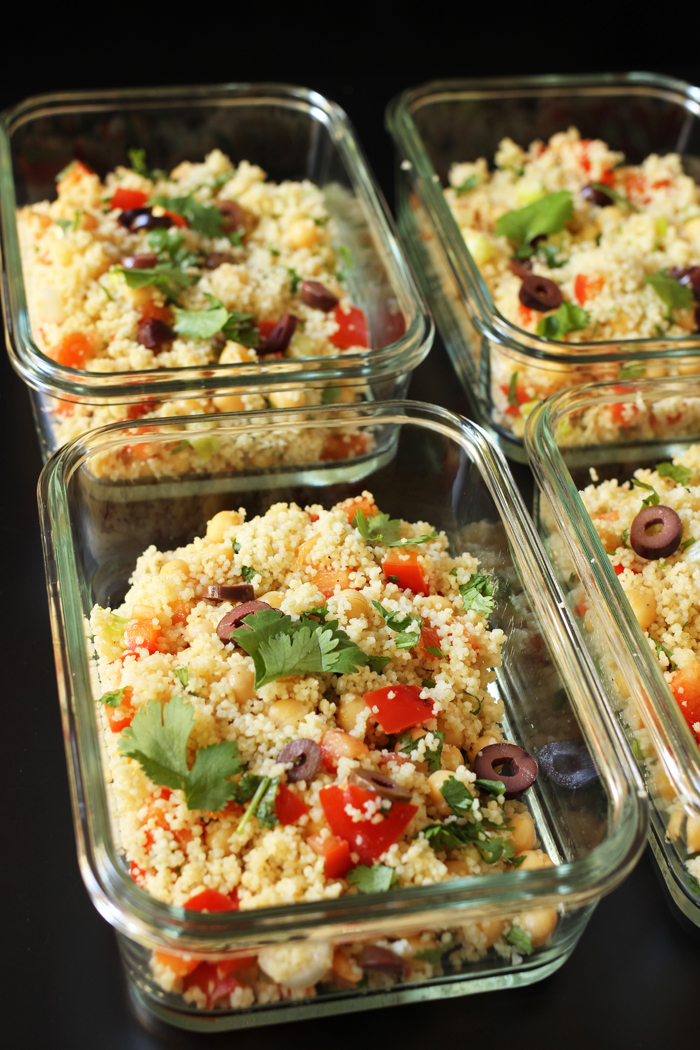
[[249, 574], [667, 652], [330, 395], [521, 941], [674, 296], [157, 740], [203, 218], [631, 372], [180, 447], [681, 475], [457, 796], [651, 500], [379, 528], [114, 698], [397, 621], [688, 543], [492, 787], [164, 275], [469, 184], [182, 675], [65, 224], [236, 546], [266, 812], [294, 279], [513, 390], [428, 683], [137, 159], [201, 324], [547, 215], [434, 955], [568, 318], [495, 849], [64, 171], [378, 663], [115, 628], [477, 592], [548, 253], [346, 255], [432, 755], [260, 790], [377, 879]]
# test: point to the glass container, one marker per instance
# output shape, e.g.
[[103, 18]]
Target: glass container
[[94, 529], [635, 687], [293, 134], [445, 121]]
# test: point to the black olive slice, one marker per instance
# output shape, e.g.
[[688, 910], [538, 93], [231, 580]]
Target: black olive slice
[[232, 619], [597, 196], [316, 295], [154, 334], [490, 759], [567, 763], [382, 785], [306, 756], [237, 592], [372, 957], [539, 293], [280, 337], [663, 543]]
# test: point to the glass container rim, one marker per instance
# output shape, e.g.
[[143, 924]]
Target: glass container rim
[[491, 323], [42, 373], [142, 917]]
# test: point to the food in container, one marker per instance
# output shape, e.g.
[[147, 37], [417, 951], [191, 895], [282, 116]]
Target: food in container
[[307, 943]]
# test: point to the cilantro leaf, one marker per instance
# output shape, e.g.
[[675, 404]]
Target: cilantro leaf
[[667, 652], [406, 638], [493, 787], [330, 395], [520, 940], [380, 528], [170, 240], [470, 183], [681, 475], [137, 159], [428, 683], [249, 573], [548, 253], [477, 592], [674, 296], [281, 646], [294, 278], [568, 318], [457, 796], [688, 543], [631, 372], [378, 663], [434, 955], [448, 836], [157, 740], [246, 787], [377, 879], [182, 675], [163, 275], [203, 218], [320, 611], [432, 755], [65, 224], [264, 784], [201, 324], [492, 850], [114, 698], [547, 215], [653, 499], [614, 195], [241, 328], [266, 812], [236, 546]]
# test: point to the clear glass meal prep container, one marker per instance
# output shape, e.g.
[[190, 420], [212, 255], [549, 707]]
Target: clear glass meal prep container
[[629, 672], [460, 120], [291, 133], [94, 530]]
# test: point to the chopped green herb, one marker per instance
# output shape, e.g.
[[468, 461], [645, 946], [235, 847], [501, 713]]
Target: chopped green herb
[[402, 624], [478, 702], [164, 275], [392, 579], [432, 755], [115, 628], [64, 171], [273, 251], [262, 804], [330, 395], [110, 297], [667, 652], [568, 318], [281, 646], [321, 222], [513, 390], [180, 447], [236, 238], [137, 158], [477, 592], [236, 546], [457, 796], [492, 787], [182, 675], [614, 195], [202, 218], [469, 184], [692, 883], [294, 279], [653, 499], [76, 220], [434, 955], [377, 663], [346, 255], [157, 740], [428, 683], [65, 224], [379, 528], [241, 328], [434, 651], [547, 215], [201, 324], [492, 850], [548, 253], [688, 543], [249, 573], [114, 698], [681, 475], [377, 879], [625, 536], [631, 372], [319, 611], [168, 241], [674, 296], [521, 941]]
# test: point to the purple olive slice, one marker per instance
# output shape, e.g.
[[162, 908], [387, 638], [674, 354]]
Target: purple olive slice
[[520, 267], [596, 196], [306, 756], [280, 337], [216, 259], [154, 334], [232, 619], [127, 217], [232, 216], [148, 221], [237, 592], [317, 296], [662, 544], [567, 763], [372, 957], [144, 261], [539, 293], [522, 767], [688, 276], [371, 780]]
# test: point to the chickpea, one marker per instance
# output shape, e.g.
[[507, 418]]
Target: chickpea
[[138, 297], [523, 834], [540, 924], [458, 868], [354, 604], [221, 523], [435, 782], [302, 234], [643, 603], [691, 229], [228, 403], [535, 859], [305, 549], [438, 602], [492, 930], [241, 679], [233, 353], [451, 757], [273, 598], [481, 742], [288, 712], [692, 835], [143, 612], [287, 399], [349, 710], [337, 745], [176, 565]]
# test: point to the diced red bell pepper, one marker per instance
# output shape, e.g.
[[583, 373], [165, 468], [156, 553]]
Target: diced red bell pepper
[[399, 707], [75, 348], [351, 506], [179, 220], [121, 716], [142, 634], [352, 328], [265, 328], [619, 569], [213, 980], [137, 873], [336, 853], [128, 199], [366, 839], [685, 686], [344, 446], [212, 900], [288, 806], [409, 572], [429, 639]]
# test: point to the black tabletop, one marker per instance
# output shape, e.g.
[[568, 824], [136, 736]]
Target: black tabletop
[[632, 980]]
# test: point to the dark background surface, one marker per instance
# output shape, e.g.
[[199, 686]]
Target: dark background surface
[[633, 980]]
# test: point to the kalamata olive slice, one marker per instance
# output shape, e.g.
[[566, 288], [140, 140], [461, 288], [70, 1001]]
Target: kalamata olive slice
[[216, 259], [593, 195], [382, 785], [662, 544], [316, 295], [539, 293], [306, 756], [237, 592], [154, 333], [688, 276], [232, 216], [567, 764], [148, 221], [280, 337], [372, 957], [232, 619], [144, 261], [127, 217], [522, 767], [520, 267]]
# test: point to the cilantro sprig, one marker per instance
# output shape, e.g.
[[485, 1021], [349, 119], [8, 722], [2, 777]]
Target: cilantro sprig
[[651, 500], [203, 324], [568, 318], [673, 295], [432, 753], [521, 941], [477, 592], [406, 638], [614, 195], [545, 216], [157, 740], [469, 184], [380, 528], [171, 278], [375, 879], [457, 796], [114, 698], [680, 474], [281, 646], [203, 218]]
